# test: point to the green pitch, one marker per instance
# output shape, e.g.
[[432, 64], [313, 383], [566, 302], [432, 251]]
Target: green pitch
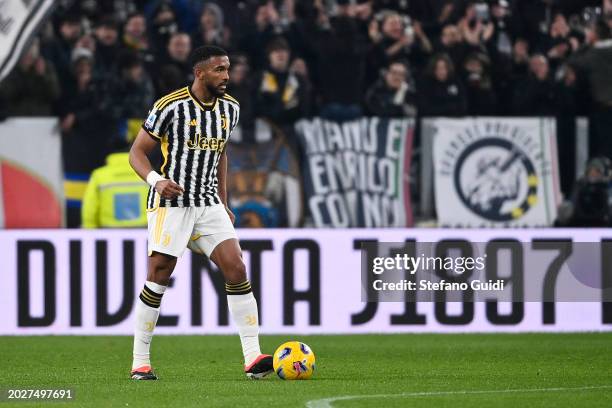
[[524, 370]]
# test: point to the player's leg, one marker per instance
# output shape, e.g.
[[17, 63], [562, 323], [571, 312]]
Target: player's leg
[[169, 231], [214, 236], [160, 267], [242, 306]]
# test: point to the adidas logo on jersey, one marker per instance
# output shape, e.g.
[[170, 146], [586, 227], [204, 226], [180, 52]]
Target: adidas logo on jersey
[[193, 123]]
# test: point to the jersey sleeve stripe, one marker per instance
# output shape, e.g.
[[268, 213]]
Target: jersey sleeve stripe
[[231, 98], [153, 135], [234, 105], [163, 98], [161, 101], [167, 102]]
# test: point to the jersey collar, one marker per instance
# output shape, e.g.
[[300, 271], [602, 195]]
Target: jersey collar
[[204, 106]]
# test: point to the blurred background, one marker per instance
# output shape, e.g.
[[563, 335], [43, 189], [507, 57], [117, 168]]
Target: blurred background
[[317, 81]]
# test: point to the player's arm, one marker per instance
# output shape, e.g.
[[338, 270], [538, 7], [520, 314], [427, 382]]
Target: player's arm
[[139, 160], [222, 188]]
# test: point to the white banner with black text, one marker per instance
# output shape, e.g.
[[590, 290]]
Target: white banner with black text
[[307, 281]]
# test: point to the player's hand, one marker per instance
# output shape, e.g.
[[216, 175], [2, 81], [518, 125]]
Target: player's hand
[[231, 214], [168, 189]]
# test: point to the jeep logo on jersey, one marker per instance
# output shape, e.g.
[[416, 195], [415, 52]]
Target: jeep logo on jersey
[[205, 143]]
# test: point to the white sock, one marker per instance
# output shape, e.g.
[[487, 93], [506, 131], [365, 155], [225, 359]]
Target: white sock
[[147, 312], [243, 308]]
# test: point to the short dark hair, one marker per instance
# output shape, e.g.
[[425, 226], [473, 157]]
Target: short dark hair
[[205, 52]]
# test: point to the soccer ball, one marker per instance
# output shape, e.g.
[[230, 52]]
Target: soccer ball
[[294, 360]]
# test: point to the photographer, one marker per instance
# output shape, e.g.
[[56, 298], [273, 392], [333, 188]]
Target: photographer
[[589, 205], [594, 65]]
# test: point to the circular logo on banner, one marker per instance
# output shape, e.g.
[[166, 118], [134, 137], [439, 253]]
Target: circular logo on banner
[[495, 172], [496, 179]]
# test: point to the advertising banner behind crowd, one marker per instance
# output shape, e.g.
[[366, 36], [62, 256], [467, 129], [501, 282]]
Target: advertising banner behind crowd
[[31, 191], [19, 22], [355, 173], [495, 172], [306, 281]]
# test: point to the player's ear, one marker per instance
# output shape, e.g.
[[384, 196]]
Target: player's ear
[[198, 71]]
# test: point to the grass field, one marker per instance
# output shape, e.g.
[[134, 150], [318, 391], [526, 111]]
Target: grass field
[[515, 370]]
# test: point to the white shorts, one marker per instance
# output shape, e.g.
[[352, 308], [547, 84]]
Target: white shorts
[[201, 229]]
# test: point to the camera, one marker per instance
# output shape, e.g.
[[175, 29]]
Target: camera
[[482, 12], [408, 27]]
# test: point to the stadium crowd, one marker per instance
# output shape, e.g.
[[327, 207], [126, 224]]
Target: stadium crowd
[[99, 65]]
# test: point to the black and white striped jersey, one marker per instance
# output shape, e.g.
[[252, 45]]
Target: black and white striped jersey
[[193, 136]]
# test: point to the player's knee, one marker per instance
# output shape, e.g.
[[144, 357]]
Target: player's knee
[[159, 272], [235, 272]]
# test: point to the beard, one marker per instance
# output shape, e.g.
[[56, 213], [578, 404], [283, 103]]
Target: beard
[[215, 91]]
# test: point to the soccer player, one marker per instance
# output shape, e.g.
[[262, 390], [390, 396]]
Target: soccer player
[[187, 203]]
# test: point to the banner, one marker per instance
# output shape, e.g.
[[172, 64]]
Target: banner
[[264, 185], [31, 189], [305, 280], [19, 22], [495, 172], [355, 173]]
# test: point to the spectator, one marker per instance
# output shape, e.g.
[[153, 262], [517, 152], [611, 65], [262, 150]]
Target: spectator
[[135, 38], [481, 98], [87, 125], [440, 92], [556, 46], [393, 95], [536, 96], [133, 93], [399, 38], [436, 13], [211, 30], [240, 87], [341, 50], [32, 87], [451, 43], [504, 30], [261, 31], [281, 94], [476, 27], [508, 73], [115, 196], [59, 50], [535, 17], [520, 60], [179, 48], [185, 11], [107, 45], [163, 26]]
